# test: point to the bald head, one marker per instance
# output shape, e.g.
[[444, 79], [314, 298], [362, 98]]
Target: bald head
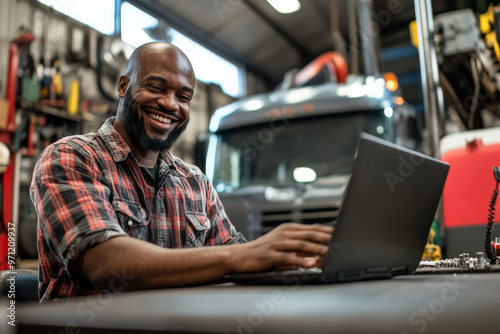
[[142, 55]]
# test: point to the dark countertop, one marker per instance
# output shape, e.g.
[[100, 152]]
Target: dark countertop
[[447, 303]]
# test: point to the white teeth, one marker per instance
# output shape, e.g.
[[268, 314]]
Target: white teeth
[[160, 119]]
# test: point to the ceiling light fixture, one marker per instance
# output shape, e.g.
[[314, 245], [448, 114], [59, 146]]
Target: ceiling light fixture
[[285, 6]]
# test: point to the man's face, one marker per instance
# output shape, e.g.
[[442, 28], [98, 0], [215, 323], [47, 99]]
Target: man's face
[[137, 129], [155, 106]]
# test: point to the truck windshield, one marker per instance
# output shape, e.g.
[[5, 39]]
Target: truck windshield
[[268, 154]]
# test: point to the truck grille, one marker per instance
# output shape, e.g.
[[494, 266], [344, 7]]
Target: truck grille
[[325, 215]]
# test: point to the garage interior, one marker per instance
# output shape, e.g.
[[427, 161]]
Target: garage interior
[[60, 63]]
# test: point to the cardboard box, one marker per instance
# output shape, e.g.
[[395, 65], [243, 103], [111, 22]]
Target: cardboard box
[[4, 113]]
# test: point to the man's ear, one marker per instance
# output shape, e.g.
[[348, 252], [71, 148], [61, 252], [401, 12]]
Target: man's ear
[[122, 85]]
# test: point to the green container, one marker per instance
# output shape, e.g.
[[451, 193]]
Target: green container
[[30, 89]]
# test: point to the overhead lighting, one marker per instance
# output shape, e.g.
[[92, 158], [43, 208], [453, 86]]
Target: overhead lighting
[[285, 6]]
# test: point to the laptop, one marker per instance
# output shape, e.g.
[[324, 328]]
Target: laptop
[[389, 205]]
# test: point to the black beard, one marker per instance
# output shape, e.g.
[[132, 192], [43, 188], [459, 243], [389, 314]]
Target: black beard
[[137, 131]]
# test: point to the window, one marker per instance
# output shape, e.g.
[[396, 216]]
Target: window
[[135, 24], [208, 66], [139, 27], [267, 154], [85, 12]]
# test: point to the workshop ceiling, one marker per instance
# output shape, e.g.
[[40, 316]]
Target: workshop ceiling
[[251, 32]]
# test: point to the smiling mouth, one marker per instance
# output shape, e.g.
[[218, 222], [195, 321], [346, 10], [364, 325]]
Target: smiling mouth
[[159, 118]]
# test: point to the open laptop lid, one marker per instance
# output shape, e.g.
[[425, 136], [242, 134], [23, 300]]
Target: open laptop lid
[[387, 212]]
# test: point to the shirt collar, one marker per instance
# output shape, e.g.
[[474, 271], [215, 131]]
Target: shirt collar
[[119, 149], [168, 158]]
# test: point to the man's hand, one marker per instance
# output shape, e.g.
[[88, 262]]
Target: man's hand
[[288, 245]]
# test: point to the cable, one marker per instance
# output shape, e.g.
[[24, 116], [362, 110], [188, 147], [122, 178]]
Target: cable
[[488, 250], [475, 98]]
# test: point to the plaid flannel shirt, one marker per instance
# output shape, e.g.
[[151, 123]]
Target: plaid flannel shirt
[[89, 188]]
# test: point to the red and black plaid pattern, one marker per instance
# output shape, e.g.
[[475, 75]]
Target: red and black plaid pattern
[[89, 188]]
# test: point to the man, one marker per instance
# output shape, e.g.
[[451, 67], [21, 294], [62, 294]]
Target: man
[[118, 203]]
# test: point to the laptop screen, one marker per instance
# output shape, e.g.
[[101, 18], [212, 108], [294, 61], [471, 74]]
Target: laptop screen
[[388, 208]]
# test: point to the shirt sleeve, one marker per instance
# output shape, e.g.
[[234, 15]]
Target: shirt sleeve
[[72, 201]]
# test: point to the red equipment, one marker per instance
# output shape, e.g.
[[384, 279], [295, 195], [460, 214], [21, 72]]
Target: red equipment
[[6, 136], [468, 189]]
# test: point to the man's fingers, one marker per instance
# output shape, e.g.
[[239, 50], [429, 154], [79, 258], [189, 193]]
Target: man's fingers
[[293, 261], [310, 227], [303, 247], [308, 235]]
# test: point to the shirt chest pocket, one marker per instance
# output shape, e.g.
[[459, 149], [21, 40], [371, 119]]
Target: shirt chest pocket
[[133, 218], [197, 226]]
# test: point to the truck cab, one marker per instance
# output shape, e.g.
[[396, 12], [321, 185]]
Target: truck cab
[[286, 156]]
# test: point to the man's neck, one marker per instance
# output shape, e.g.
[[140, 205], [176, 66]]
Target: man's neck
[[147, 159]]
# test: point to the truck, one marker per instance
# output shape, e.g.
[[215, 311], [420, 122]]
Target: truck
[[286, 155]]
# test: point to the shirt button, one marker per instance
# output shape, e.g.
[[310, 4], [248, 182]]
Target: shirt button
[[130, 223]]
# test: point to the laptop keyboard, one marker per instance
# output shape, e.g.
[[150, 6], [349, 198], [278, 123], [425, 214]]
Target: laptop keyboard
[[301, 271]]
